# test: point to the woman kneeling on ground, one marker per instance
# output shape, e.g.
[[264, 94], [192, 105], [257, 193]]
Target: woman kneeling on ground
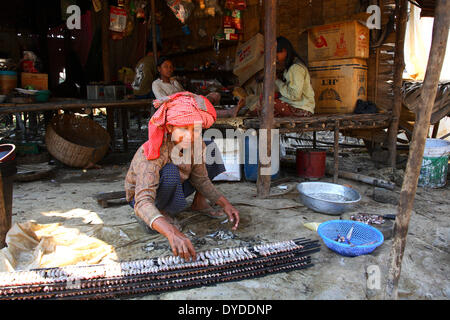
[[163, 172]]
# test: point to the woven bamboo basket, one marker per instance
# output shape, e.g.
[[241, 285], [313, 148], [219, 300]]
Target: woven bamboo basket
[[76, 141]]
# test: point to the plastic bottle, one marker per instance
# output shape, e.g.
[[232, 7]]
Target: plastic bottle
[[228, 64]]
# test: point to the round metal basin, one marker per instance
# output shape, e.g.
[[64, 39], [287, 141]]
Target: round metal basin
[[328, 198]]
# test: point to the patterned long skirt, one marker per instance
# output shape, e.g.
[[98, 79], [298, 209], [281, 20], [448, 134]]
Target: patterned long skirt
[[282, 109]]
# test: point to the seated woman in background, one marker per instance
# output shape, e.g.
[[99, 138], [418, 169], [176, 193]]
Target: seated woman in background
[[165, 86], [294, 84], [294, 96]]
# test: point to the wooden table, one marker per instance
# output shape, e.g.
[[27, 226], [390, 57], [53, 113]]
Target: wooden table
[[73, 104]]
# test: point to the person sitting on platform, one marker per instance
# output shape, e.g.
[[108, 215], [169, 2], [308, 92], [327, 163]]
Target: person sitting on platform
[[166, 85], [294, 96], [145, 74], [293, 83], [162, 175]]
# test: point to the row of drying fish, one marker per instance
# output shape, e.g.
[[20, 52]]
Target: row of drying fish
[[72, 274]]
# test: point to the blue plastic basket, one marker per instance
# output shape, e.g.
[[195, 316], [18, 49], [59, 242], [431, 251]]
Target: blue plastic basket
[[364, 238]]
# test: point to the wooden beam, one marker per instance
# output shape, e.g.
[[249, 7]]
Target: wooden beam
[[5, 220], [336, 152], [438, 115], [399, 62], [73, 104], [412, 172], [154, 44], [435, 130], [124, 124], [106, 69], [270, 12], [105, 41]]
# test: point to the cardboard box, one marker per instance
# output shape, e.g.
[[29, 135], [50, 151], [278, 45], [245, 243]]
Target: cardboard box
[[338, 84], [39, 81], [249, 58], [341, 40], [231, 153]]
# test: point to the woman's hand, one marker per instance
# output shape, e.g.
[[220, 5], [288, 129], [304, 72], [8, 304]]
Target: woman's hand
[[231, 212], [180, 244], [233, 215]]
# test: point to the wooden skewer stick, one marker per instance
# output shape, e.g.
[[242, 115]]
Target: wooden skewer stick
[[362, 178]]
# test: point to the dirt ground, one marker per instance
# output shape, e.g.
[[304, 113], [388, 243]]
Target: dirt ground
[[66, 198]]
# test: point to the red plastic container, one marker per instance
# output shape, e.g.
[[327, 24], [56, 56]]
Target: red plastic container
[[311, 163]]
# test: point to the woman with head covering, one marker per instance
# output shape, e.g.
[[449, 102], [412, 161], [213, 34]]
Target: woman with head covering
[[168, 168]]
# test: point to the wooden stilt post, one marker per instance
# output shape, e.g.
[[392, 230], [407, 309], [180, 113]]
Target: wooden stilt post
[[424, 106], [105, 40], [399, 61], [124, 124], [154, 44], [106, 70], [336, 152], [266, 120], [435, 130], [5, 220], [314, 139]]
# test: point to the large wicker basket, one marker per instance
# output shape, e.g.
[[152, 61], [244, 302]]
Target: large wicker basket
[[76, 141]]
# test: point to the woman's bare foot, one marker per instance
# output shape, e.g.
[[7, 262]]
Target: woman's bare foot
[[91, 165], [200, 204], [233, 112], [239, 106]]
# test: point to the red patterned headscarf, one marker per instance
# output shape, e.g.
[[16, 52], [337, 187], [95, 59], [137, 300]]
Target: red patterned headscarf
[[180, 109]]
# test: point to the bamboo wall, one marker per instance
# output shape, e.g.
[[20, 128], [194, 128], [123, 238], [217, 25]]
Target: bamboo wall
[[381, 64]]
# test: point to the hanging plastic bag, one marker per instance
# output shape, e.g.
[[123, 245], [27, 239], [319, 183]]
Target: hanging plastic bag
[[212, 8], [181, 8], [118, 19], [227, 19], [240, 4], [236, 4], [237, 19]]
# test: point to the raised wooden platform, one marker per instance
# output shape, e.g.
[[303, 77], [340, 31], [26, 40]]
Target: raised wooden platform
[[68, 104], [321, 122], [74, 104]]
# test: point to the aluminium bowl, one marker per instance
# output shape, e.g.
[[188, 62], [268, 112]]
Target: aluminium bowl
[[328, 198]]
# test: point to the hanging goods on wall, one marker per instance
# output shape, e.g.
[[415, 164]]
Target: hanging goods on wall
[[181, 8]]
